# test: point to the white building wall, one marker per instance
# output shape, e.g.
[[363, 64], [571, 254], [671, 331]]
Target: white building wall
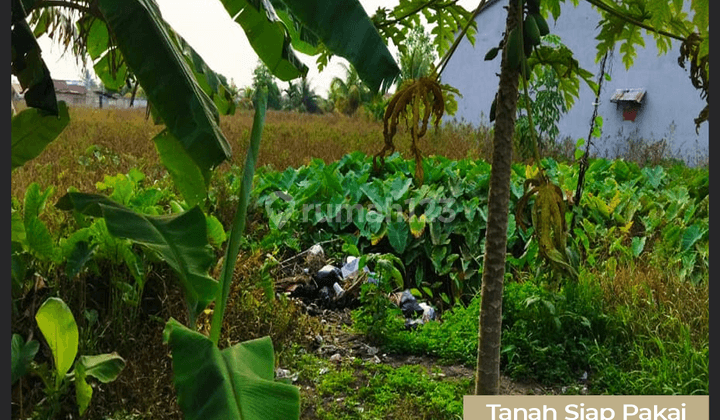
[[668, 110]]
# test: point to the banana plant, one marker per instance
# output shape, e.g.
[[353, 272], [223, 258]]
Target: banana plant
[[188, 98], [58, 328]]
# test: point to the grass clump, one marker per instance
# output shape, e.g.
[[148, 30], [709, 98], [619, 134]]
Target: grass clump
[[357, 389]]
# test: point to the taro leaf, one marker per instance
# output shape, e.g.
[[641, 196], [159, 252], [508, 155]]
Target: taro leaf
[[169, 84], [399, 186], [417, 225], [637, 246], [654, 176], [375, 193], [58, 326], [21, 353], [40, 240], [233, 383], [34, 201], [18, 263], [691, 235], [82, 253], [398, 233], [186, 175], [374, 221], [346, 30], [181, 240], [268, 36], [17, 229], [32, 130]]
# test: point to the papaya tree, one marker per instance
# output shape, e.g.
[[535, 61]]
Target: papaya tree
[[621, 23]]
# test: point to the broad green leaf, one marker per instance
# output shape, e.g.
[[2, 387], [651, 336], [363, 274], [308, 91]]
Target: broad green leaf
[[346, 30], [32, 130], [691, 235], [417, 225], [81, 253], [637, 246], [399, 186], [27, 65], [213, 84], [21, 354], [18, 265], [103, 367], [169, 84], [216, 231], [268, 36], [40, 240], [83, 390], [397, 231], [58, 326], [233, 383], [17, 228], [186, 175], [298, 43], [654, 175], [112, 78], [181, 240], [98, 37]]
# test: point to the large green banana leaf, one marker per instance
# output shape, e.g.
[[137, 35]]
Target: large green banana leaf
[[26, 62], [181, 240], [268, 36], [32, 130], [149, 50], [346, 30], [233, 383]]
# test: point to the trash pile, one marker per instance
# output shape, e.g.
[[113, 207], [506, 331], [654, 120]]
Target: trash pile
[[319, 284]]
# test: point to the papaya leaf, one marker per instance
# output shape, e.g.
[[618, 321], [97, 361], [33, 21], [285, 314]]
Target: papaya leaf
[[233, 383], [32, 130]]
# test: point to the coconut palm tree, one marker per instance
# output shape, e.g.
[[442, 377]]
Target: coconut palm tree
[[301, 97], [347, 95]]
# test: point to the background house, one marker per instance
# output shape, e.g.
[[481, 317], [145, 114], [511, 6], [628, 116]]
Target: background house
[[75, 94], [652, 101]]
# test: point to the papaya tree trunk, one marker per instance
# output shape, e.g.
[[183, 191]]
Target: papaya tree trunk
[[487, 377]]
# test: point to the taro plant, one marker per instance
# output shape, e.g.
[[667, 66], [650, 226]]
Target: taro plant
[[236, 382]]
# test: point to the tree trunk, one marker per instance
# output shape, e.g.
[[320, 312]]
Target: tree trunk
[[487, 376]]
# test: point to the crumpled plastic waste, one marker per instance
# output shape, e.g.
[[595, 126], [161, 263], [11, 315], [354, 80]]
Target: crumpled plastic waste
[[415, 313]]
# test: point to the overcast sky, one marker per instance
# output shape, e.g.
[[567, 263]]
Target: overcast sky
[[220, 41]]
